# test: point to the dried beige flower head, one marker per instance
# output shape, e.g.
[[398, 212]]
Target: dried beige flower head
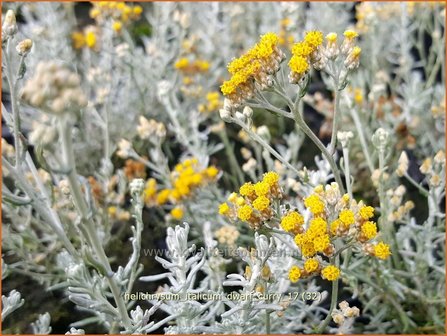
[[9, 27], [124, 149], [427, 166], [440, 157], [54, 89], [344, 138], [402, 164], [24, 47], [150, 129], [227, 234], [249, 165]]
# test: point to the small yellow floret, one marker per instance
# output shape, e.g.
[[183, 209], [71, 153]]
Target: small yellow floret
[[303, 49], [202, 65], [269, 38], [350, 34], [232, 198], [244, 213], [300, 239], [211, 172], [117, 26], [94, 13], [366, 212], [177, 213], [224, 209], [261, 188], [112, 210], [347, 217], [90, 39], [162, 196], [151, 188], [240, 201], [78, 39], [317, 227], [307, 249], [369, 229], [331, 37], [321, 243], [298, 64], [356, 51], [311, 265], [382, 250], [292, 220], [335, 225], [181, 63], [228, 87], [319, 189], [314, 38], [261, 203], [330, 273], [247, 189], [294, 274], [271, 178], [315, 204], [137, 10]]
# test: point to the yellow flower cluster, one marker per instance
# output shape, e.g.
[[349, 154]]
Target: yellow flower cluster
[[86, 38], [120, 12], [213, 102], [333, 217], [188, 67], [315, 240], [311, 52], [254, 202], [252, 68], [185, 179], [304, 53], [313, 266]]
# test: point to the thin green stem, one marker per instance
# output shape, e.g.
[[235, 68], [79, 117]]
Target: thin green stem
[[229, 149], [334, 298], [271, 108], [306, 129], [86, 217], [267, 322], [363, 143], [389, 229], [421, 189], [40, 206], [14, 106], [347, 171], [336, 117]]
